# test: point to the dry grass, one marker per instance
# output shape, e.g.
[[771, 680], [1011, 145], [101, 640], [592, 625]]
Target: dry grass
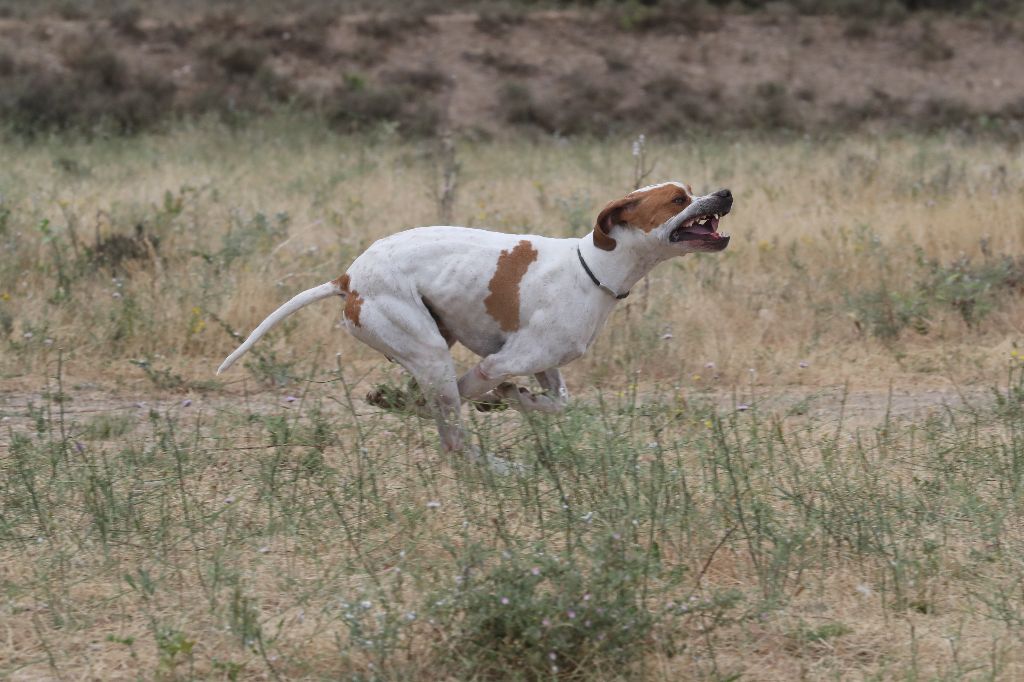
[[220, 531], [245, 219]]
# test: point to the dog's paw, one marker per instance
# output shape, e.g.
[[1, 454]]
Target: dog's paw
[[386, 397], [398, 400]]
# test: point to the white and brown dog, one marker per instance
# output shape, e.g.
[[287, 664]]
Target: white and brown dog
[[525, 304]]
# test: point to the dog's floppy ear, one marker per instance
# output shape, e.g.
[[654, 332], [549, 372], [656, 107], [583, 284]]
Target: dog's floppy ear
[[610, 216]]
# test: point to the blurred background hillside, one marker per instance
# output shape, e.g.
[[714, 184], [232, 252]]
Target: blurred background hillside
[[670, 67]]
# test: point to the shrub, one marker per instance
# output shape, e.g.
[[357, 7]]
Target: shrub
[[238, 57], [571, 111], [125, 21], [929, 46], [687, 16], [496, 23], [7, 64], [545, 616], [427, 78], [96, 88], [358, 105], [859, 28], [885, 313], [971, 289]]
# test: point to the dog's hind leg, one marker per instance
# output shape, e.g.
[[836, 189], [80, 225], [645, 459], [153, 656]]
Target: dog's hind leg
[[404, 331]]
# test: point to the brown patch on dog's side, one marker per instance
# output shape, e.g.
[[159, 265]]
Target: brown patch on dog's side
[[503, 302], [353, 304], [353, 301]]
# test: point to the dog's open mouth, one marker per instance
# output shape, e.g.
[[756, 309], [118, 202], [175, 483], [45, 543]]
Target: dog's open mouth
[[701, 228]]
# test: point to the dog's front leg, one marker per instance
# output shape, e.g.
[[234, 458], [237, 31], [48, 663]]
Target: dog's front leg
[[552, 401], [491, 392]]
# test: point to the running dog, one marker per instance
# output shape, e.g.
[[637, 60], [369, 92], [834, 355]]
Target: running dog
[[525, 304]]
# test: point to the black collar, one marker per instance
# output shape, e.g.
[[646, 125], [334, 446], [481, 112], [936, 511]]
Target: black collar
[[603, 287]]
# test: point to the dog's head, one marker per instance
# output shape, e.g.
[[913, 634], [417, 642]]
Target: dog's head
[[668, 215]]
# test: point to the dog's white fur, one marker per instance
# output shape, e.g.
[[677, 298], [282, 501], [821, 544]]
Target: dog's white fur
[[524, 303]]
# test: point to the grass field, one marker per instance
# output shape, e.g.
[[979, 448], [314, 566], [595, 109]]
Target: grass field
[[801, 458]]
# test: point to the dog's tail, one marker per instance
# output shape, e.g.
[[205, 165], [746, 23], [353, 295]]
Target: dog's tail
[[298, 301]]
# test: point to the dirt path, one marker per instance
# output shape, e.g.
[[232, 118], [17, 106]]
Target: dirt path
[[821, 405]]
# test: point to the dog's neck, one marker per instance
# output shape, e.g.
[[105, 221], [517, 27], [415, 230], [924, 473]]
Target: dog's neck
[[625, 265]]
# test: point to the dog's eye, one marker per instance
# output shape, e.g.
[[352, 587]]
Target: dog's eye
[[679, 200]]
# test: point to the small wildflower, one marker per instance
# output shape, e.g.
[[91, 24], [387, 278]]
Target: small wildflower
[[116, 294], [186, 402], [264, 549], [79, 447], [535, 570], [546, 622], [586, 597], [696, 377], [709, 365], [229, 499], [804, 364], [504, 601], [571, 614], [5, 296], [433, 504], [666, 336], [552, 655], [27, 335], [289, 399], [366, 604], [410, 615], [48, 342], [742, 407], [707, 423]]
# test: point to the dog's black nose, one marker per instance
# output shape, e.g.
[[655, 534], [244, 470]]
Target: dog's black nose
[[724, 193]]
